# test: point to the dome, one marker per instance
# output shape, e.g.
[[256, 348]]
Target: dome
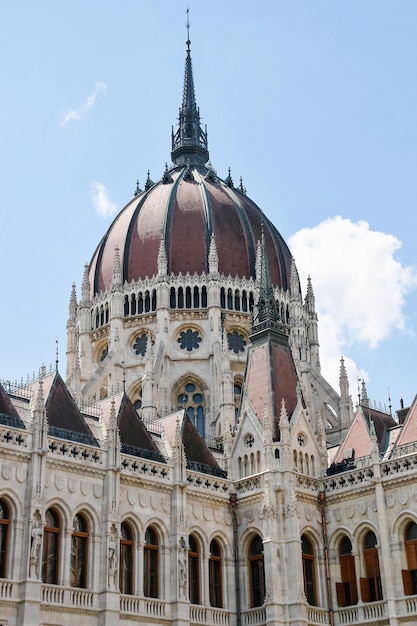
[[185, 208]]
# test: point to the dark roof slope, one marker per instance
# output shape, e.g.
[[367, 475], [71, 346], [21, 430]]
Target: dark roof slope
[[133, 434], [64, 417], [197, 453], [8, 414]]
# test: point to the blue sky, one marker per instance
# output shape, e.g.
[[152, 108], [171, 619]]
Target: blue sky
[[312, 103]]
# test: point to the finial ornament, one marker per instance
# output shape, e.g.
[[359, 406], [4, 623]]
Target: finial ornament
[[188, 42]]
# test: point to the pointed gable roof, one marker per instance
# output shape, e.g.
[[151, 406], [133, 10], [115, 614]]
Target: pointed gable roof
[[8, 414], [64, 417], [199, 457], [134, 436], [409, 430]]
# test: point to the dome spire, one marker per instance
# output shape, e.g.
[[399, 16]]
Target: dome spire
[[189, 141]]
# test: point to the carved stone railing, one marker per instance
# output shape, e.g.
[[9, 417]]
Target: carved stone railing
[[317, 615], [399, 465], [146, 607], [307, 483], [208, 615], [370, 613], [6, 590], [251, 483], [407, 606], [254, 617], [347, 480], [15, 437], [75, 451], [54, 595], [205, 482], [143, 467]]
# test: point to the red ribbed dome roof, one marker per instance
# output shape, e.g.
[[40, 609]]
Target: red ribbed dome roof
[[185, 208]]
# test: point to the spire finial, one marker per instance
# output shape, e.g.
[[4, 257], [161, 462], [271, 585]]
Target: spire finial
[[188, 42], [189, 141]]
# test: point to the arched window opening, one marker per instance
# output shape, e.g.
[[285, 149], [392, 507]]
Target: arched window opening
[[244, 301], [140, 303], [126, 560], [204, 297], [410, 574], [153, 305], [4, 537], [172, 299], [180, 298], [371, 588], [237, 300], [188, 298], [237, 390], [79, 552], [309, 571], [50, 551], [138, 401], [147, 302], [133, 304], [126, 306], [101, 316], [229, 299], [191, 398], [256, 572], [97, 318], [222, 298], [215, 575], [106, 313], [251, 301], [193, 571], [347, 592], [196, 298], [151, 564]]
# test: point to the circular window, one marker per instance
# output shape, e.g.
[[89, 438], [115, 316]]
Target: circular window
[[140, 344], [189, 340], [236, 342]]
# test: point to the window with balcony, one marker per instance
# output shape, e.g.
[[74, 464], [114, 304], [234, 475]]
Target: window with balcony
[[79, 552], [4, 537], [151, 564], [126, 559], [410, 574], [256, 572], [215, 574], [193, 570], [51, 547], [347, 591], [309, 570], [371, 589]]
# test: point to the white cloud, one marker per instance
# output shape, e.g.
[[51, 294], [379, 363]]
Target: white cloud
[[77, 114], [101, 201], [359, 285]]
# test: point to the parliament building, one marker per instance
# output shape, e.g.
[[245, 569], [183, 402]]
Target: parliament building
[[192, 466]]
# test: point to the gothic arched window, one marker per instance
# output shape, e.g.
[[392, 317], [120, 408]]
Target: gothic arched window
[[191, 399], [256, 572], [410, 574], [4, 537], [309, 570], [79, 552], [193, 570], [151, 564], [215, 574], [347, 592], [50, 552], [126, 559], [371, 585]]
